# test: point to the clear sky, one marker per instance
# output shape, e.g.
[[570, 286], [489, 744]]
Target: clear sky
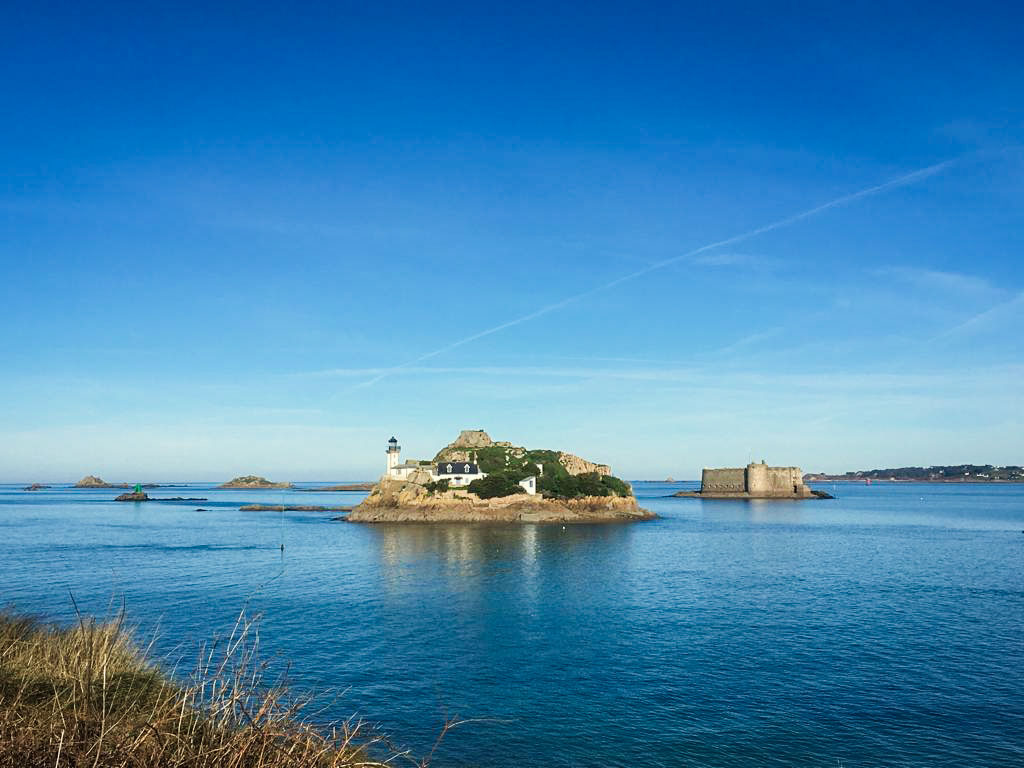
[[265, 238]]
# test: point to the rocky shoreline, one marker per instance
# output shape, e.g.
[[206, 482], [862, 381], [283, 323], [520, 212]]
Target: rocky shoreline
[[399, 502]]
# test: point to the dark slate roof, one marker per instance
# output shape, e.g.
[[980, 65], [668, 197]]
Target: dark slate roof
[[457, 468]]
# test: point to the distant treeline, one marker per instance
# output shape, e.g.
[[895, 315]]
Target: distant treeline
[[976, 472]]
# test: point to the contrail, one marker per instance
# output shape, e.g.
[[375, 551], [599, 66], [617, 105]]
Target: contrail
[[979, 319], [900, 181]]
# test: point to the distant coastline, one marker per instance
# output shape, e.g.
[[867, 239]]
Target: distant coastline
[[952, 473]]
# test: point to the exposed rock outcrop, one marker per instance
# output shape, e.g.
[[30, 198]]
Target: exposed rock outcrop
[[574, 465], [253, 481], [458, 449], [36, 487]]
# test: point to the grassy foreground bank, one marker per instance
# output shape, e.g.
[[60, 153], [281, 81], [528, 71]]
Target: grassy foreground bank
[[87, 695]]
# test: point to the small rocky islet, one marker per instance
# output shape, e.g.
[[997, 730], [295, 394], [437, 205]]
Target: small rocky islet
[[139, 495], [475, 479], [253, 481]]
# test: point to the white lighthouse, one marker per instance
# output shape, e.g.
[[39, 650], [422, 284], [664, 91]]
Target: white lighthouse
[[393, 450]]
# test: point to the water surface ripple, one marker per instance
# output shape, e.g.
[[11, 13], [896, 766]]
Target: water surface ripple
[[885, 628]]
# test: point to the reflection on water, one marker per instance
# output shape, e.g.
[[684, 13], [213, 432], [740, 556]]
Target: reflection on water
[[468, 557], [473, 544], [764, 510]]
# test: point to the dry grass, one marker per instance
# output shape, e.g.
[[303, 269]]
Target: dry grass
[[87, 696]]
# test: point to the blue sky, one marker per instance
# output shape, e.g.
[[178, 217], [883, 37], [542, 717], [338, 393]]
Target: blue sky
[[261, 238]]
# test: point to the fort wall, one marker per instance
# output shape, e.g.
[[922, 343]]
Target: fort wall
[[723, 481]]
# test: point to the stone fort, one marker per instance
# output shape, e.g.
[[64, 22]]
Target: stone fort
[[757, 480]]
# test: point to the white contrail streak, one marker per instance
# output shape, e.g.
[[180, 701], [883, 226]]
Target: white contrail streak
[[900, 181]]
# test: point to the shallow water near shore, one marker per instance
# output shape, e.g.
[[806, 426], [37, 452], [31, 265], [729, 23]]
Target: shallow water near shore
[[882, 628]]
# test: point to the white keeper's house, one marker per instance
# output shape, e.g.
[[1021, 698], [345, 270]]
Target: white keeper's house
[[459, 474]]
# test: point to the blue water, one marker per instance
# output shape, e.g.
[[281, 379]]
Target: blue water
[[885, 628]]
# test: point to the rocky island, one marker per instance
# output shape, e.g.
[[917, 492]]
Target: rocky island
[[474, 479], [755, 481], [253, 481]]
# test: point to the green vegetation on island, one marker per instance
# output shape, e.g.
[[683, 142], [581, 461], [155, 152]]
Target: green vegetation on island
[[506, 466]]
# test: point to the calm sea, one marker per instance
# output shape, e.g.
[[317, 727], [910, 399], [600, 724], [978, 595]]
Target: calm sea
[[884, 628]]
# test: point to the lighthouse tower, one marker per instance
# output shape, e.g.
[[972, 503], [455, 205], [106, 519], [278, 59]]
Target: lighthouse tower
[[393, 450]]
